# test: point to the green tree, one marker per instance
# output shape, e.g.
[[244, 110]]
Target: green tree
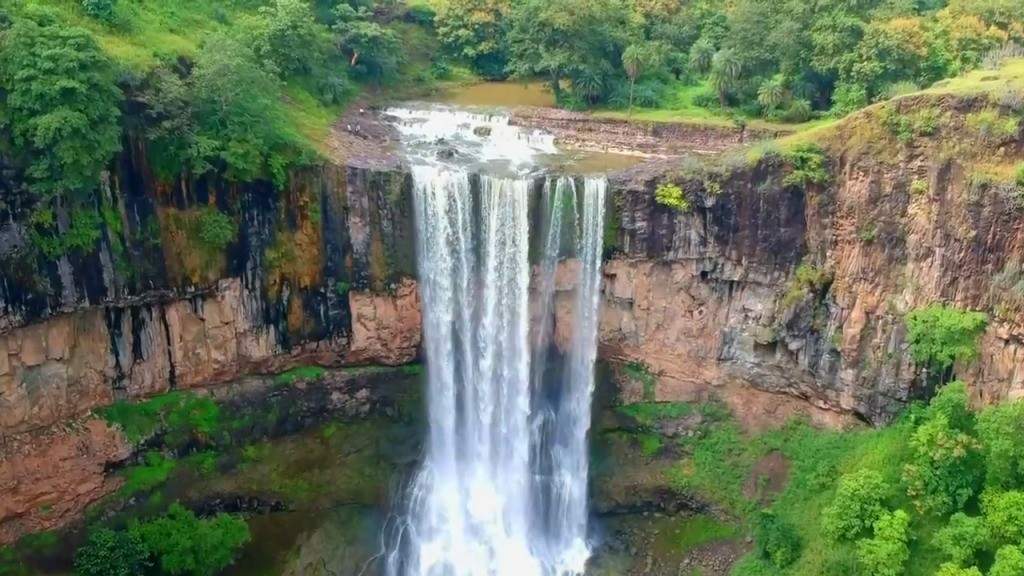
[[945, 468], [636, 59], [373, 49], [940, 335], [1000, 429], [1009, 562], [886, 553], [61, 104], [237, 110], [771, 93], [726, 69], [701, 54], [962, 538], [287, 35], [857, 505], [476, 30], [110, 553], [560, 39], [1004, 516], [186, 545]]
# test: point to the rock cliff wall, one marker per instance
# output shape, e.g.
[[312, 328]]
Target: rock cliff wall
[[319, 272]]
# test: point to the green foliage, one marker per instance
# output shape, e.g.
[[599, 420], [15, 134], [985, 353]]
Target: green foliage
[[849, 97], [940, 335], [110, 553], [152, 473], [476, 30], [216, 229], [962, 538], [60, 102], [945, 467], [991, 126], [299, 373], [886, 553], [1009, 561], [182, 416], [672, 196], [905, 128], [1019, 178], [638, 372], [186, 545], [373, 50], [647, 414], [807, 280], [777, 540], [919, 187], [1000, 429], [808, 165], [951, 569], [100, 9], [1004, 516], [858, 504], [287, 35]]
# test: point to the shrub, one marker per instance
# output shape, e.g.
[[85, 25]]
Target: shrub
[[919, 187], [110, 553], [991, 126], [184, 544], [671, 195], [153, 472], [848, 98], [1020, 175], [807, 165], [216, 229], [1009, 562], [857, 505], [777, 540], [886, 553], [100, 9], [798, 111], [940, 335], [962, 538]]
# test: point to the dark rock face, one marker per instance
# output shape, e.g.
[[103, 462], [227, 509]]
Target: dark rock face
[[709, 299]]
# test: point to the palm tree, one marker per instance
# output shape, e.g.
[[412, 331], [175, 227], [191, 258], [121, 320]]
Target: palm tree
[[701, 54], [771, 93], [634, 59], [725, 73]]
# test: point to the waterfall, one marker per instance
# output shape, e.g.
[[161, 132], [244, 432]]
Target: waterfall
[[502, 489]]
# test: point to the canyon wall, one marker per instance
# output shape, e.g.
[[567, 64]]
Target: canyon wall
[[320, 272]]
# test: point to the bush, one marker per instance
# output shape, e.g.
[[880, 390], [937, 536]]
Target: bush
[[671, 195], [991, 126], [100, 9], [110, 553], [940, 335], [807, 166], [184, 544], [849, 98], [962, 538], [857, 505], [216, 229], [951, 569], [798, 111], [1020, 175], [886, 553], [777, 540]]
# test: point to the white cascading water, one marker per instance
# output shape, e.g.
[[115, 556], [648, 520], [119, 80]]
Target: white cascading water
[[503, 486]]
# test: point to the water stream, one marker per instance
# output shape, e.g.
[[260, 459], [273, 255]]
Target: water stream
[[502, 489]]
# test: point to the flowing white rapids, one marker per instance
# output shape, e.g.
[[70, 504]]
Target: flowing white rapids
[[502, 490]]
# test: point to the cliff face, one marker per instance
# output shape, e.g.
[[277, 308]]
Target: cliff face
[[319, 272], [711, 302]]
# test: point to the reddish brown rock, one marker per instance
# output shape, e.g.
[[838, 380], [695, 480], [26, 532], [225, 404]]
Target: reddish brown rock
[[48, 478], [385, 327]]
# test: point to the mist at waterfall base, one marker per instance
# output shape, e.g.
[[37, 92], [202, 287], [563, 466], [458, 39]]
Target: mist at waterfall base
[[502, 489]]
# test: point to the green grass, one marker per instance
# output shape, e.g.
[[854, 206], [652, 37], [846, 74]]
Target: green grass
[[289, 377], [181, 416], [650, 413], [699, 530], [147, 476]]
